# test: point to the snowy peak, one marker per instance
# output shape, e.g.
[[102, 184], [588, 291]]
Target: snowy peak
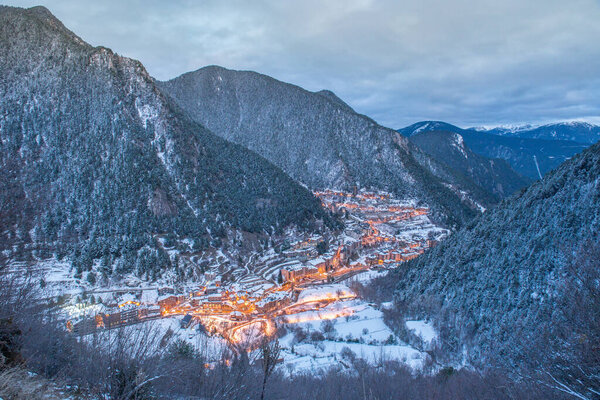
[[577, 131], [525, 147]]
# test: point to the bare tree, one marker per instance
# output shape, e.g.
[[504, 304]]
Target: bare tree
[[270, 352]]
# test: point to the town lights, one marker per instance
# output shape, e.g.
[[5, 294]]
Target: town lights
[[236, 312], [135, 303]]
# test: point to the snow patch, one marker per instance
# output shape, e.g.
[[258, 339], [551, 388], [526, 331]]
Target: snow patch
[[423, 329], [459, 144], [145, 112]]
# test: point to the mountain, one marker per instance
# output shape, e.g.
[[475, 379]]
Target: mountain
[[494, 175], [581, 132], [91, 150], [526, 156], [504, 280], [319, 140]]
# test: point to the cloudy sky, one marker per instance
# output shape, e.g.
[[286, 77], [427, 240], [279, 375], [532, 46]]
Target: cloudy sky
[[466, 62]]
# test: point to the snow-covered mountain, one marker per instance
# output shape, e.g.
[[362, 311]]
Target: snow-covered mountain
[[319, 140], [576, 131], [429, 126], [502, 286], [529, 157], [91, 150]]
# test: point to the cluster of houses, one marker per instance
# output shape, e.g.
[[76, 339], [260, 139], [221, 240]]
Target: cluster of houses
[[126, 314], [232, 300], [389, 256], [301, 261], [296, 270]]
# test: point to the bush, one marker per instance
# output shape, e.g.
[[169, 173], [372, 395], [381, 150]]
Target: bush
[[328, 328], [300, 335], [91, 278], [317, 336], [182, 349], [348, 354]]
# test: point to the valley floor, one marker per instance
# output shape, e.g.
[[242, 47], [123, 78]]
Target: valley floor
[[302, 292]]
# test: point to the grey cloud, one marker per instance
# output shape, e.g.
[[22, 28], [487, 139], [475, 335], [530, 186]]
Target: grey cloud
[[466, 62]]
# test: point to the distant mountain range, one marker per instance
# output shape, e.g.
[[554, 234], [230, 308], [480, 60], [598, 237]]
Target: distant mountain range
[[581, 132], [321, 141], [529, 157], [91, 149], [574, 131]]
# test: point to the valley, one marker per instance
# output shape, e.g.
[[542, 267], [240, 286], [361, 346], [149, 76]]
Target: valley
[[238, 231], [295, 287]]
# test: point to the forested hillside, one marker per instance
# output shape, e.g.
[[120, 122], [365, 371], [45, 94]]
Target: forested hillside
[[519, 274], [91, 149]]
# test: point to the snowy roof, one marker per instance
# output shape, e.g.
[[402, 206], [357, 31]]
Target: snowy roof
[[275, 296], [315, 261], [324, 293], [292, 266]]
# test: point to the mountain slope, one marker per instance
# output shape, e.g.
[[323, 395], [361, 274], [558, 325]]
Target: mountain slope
[[317, 139], [581, 132], [496, 176], [91, 148], [498, 283], [524, 155]]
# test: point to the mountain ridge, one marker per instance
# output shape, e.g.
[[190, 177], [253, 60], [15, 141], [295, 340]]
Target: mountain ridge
[[494, 175], [576, 131], [499, 281]]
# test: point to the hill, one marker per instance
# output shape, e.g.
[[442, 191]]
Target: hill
[[510, 277]]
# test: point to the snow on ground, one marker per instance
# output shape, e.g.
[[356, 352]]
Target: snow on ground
[[156, 336], [423, 329], [357, 326], [309, 358]]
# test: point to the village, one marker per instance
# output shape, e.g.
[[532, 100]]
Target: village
[[380, 234]]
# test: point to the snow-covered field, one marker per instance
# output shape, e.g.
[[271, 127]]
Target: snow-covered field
[[355, 330], [356, 326]]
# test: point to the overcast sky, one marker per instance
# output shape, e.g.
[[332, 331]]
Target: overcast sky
[[474, 62]]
